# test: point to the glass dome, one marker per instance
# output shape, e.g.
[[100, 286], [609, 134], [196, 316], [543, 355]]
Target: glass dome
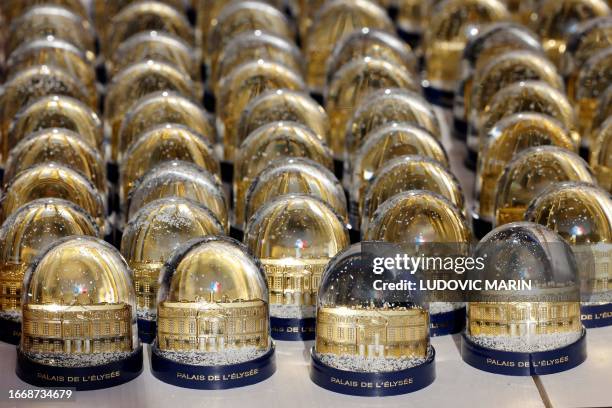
[[556, 19], [293, 175], [386, 106], [330, 24], [160, 108], [82, 288], [412, 15], [601, 156], [181, 179], [270, 142], [253, 46], [241, 86], [50, 20], [158, 46], [283, 105], [53, 180], [238, 17], [446, 35], [140, 16], [53, 52], [529, 173], [31, 84], [603, 110], [374, 44], [385, 144], [104, 10], [593, 79], [409, 173], [208, 17], [294, 236], [217, 280], [363, 329], [544, 318], [139, 80], [587, 39], [508, 137], [153, 234], [486, 44], [508, 68], [14, 8], [61, 146], [528, 96], [57, 111], [582, 214], [25, 234], [163, 143], [352, 84]]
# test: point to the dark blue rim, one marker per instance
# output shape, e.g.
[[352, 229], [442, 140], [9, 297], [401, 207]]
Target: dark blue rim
[[212, 377], [293, 329], [10, 331], [439, 97], [524, 364], [441, 324], [372, 384], [147, 330], [594, 316], [80, 378]]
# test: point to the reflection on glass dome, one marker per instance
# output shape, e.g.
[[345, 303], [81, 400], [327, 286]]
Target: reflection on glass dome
[[160, 108], [529, 173], [283, 105], [446, 36], [505, 139], [153, 234], [156, 45], [587, 39], [242, 16], [53, 180], [14, 8], [51, 20], [24, 234], [61, 146], [79, 307], [409, 173], [527, 96], [31, 84], [139, 80], [361, 329], [241, 86], [146, 16], [295, 176], [384, 144], [376, 44], [295, 236], [506, 69], [253, 46], [582, 214], [53, 52], [387, 106], [601, 155], [331, 23], [268, 143], [603, 111], [57, 111], [544, 318], [352, 84], [593, 79], [177, 178], [163, 143], [216, 288], [556, 19]]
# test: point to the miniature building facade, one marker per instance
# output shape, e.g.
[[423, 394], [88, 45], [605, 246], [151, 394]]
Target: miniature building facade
[[369, 332], [294, 284], [91, 329], [212, 326], [595, 264], [145, 283], [523, 318], [11, 278]]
